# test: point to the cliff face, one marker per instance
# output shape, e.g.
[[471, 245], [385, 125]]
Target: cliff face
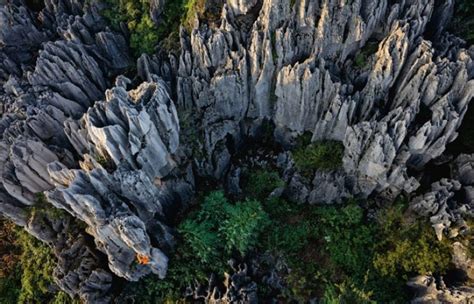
[[383, 77]]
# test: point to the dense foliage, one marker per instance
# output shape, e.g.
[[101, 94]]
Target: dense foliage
[[28, 273], [322, 155], [144, 33], [335, 253], [136, 15], [210, 236], [10, 252]]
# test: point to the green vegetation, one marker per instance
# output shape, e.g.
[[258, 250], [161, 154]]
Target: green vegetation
[[9, 291], [320, 155], [27, 269], [362, 57], [346, 293], [172, 17], [135, 14], [145, 34], [243, 223], [409, 247], [261, 182], [462, 23], [10, 253], [36, 278], [237, 224], [336, 253], [191, 135], [210, 237]]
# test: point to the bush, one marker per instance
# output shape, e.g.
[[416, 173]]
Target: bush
[[213, 208], [237, 224], [209, 236], [10, 286], [37, 285], [10, 250], [408, 247], [322, 155], [201, 238], [361, 58], [357, 259], [27, 268], [135, 14], [168, 30], [144, 33], [349, 241], [243, 223], [333, 253], [346, 292], [261, 183]]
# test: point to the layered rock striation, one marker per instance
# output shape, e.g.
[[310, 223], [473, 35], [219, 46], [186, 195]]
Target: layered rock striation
[[120, 156]]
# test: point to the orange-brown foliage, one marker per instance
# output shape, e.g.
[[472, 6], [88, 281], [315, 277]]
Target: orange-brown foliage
[[9, 248]]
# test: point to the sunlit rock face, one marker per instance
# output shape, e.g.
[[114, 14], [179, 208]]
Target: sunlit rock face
[[135, 134], [121, 156]]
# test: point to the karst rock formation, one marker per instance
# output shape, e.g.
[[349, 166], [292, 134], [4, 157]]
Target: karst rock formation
[[120, 151]]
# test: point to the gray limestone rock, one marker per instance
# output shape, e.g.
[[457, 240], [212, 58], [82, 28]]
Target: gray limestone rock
[[446, 213], [428, 291], [120, 160]]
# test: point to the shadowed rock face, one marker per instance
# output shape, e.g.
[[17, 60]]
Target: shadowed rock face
[[115, 158]]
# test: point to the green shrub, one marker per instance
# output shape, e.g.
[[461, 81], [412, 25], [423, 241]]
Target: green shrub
[[209, 236], [243, 223], [349, 241], [144, 33], [10, 286], [261, 183], [409, 248], [201, 238], [361, 58], [290, 238], [322, 155], [37, 263], [333, 253], [213, 208], [63, 298], [168, 30], [237, 224], [135, 14], [31, 278], [346, 292], [357, 259]]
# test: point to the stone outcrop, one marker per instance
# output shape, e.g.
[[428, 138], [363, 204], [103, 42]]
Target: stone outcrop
[[134, 134], [395, 113], [449, 204], [237, 287], [427, 290], [122, 158]]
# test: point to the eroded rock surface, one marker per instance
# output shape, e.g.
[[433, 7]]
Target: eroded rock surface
[[121, 155]]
